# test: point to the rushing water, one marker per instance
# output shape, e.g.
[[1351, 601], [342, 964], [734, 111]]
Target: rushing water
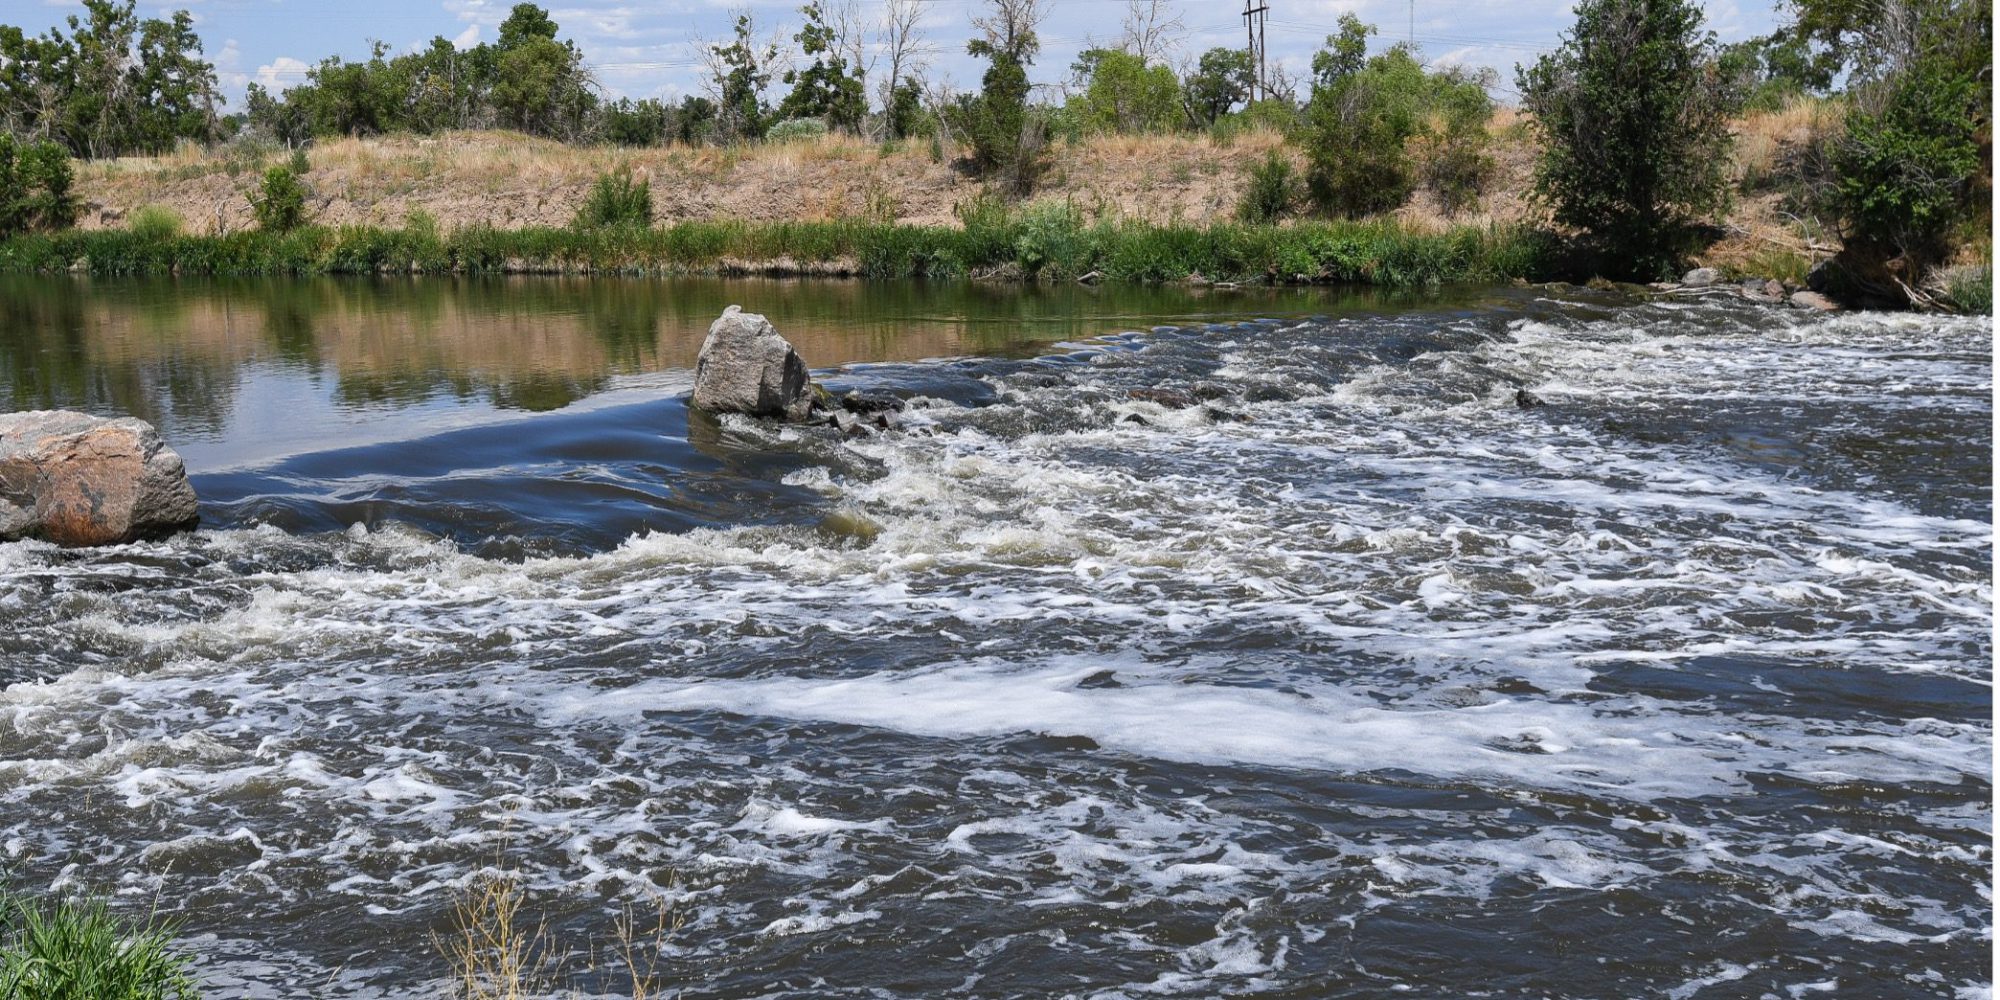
[[1357, 680]]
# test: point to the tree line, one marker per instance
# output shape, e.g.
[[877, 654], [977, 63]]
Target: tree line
[[1632, 110]]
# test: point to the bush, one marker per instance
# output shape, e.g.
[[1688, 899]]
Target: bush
[[155, 222], [1356, 133], [617, 200], [796, 130], [1274, 188], [74, 949], [1452, 162], [1904, 175], [1633, 116], [282, 206], [35, 187]]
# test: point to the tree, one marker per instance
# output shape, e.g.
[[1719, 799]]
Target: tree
[[1006, 141], [904, 114], [739, 72], [1220, 81], [1123, 94], [1345, 53], [115, 84], [825, 89], [540, 88], [525, 24], [1914, 164], [902, 43], [1356, 133], [1633, 116], [1152, 30], [361, 98]]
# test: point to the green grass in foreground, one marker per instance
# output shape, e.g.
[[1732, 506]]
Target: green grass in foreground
[[1052, 243], [71, 949]]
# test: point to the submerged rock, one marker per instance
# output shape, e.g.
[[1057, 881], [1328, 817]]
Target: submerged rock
[[1527, 400], [75, 479], [747, 367], [1814, 301], [870, 403], [1172, 399]]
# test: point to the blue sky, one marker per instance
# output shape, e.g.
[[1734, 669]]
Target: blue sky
[[649, 48]]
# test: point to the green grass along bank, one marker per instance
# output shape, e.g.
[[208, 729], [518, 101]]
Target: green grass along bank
[[1056, 245]]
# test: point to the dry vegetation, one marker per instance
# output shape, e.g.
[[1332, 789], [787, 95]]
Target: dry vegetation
[[509, 181]]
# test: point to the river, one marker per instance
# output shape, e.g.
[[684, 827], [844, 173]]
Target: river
[[1359, 679]]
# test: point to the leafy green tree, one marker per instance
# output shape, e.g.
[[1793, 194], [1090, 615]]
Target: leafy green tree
[[1356, 133], [1123, 94], [356, 98], [540, 89], [1771, 69], [1633, 116], [114, 84], [287, 121], [741, 71], [525, 24], [636, 123], [905, 116], [1914, 166], [826, 89], [695, 121], [1452, 158], [1221, 80], [1345, 53], [1007, 142]]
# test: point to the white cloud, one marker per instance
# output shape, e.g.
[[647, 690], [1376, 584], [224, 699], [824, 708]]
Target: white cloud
[[467, 38], [281, 72]]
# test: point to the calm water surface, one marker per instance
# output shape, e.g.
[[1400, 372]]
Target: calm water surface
[[1357, 680]]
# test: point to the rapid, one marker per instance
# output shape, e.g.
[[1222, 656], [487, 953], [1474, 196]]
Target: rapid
[[1357, 678]]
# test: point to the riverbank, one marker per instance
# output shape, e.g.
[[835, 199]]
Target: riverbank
[[506, 181], [1046, 242]]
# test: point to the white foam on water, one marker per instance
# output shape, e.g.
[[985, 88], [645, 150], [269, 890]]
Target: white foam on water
[[1397, 577]]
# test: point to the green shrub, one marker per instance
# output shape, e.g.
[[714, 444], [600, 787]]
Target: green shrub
[[795, 130], [1274, 188], [1356, 131], [281, 207], [76, 950], [36, 183], [1633, 117], [1905, 173], [1452, 162], [1051, 241], [155, 222], [299, 164], [617, 200]]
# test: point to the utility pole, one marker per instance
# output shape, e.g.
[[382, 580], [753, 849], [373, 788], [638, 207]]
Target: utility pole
[[1253, 23]]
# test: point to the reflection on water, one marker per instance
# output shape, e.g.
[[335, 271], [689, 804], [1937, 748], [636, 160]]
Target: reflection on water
[[237, 371]]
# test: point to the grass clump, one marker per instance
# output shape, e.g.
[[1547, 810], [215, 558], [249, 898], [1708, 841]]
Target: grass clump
[[617, 200], [155, 222], [71, 949], [1968, 289]]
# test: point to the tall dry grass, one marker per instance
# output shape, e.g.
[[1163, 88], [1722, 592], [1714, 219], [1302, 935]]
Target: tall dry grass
[[498, 950]]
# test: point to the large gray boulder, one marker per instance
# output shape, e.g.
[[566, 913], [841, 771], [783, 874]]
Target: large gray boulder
[[746, 367], [75, 479]]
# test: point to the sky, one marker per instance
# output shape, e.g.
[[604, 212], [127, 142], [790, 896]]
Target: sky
[[650, 48]]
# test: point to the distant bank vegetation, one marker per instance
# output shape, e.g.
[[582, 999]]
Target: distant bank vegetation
[[1635, 122]]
